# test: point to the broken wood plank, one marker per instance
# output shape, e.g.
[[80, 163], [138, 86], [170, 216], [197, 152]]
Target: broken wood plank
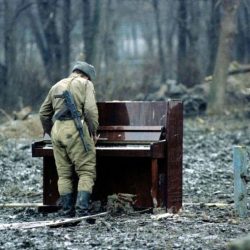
[[241, 70], [162, 216], [49, 223], [212, 204], [13, 205]]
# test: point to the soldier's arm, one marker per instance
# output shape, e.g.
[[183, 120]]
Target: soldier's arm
[[46, 112], [90, 109]]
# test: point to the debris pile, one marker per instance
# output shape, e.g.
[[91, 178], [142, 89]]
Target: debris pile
[[121, 203], [195, 99]]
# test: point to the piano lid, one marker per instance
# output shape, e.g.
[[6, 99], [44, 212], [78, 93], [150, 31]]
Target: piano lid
[[132, 113], [131, 122]]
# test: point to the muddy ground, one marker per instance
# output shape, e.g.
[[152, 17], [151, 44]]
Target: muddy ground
[[208, 178]]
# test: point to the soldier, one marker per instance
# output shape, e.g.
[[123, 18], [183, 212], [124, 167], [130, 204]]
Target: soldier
[[70, 155]]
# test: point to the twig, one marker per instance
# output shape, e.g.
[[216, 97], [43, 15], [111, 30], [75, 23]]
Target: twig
[[162, 216], [150, 209], [5, 114], [216, 204], [108, 225]]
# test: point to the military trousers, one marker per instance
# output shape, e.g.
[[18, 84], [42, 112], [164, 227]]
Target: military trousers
[[70, 157]]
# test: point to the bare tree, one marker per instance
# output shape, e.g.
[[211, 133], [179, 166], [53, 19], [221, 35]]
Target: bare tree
[[170, 26], [91, 21], [135, 45], [109, 39], [182, 41], [9, 38], [193, 68], [11, 14], [189, 69], [161, 55], [213, 34], [227, 32], [43, 25], [66, 28]]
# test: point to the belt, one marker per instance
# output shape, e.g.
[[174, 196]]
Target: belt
[[62, 115], [64, 118]]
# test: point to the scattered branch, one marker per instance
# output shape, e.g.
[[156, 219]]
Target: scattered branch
[[49, 223], [6, 115]]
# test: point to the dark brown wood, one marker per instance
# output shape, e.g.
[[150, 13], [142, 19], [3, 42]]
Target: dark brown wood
[[50, 177], [139, 152], [158, 149], [124, 152], [173, 165], [130, 128], [154, 188], [132, 113], [124, 175]]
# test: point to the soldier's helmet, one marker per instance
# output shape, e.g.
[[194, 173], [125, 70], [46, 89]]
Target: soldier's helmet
[[86, 68]]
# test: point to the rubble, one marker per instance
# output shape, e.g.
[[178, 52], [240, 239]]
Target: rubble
[[22, 114], [195, 99], [207, 220]]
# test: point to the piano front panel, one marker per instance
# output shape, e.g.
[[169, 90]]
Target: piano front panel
[[124, 175], [116, 173]]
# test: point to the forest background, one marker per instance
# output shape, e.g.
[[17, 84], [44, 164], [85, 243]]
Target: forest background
[[137, 46]]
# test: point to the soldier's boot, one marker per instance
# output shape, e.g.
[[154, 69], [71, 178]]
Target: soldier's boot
[[68, 208], [82, 203]]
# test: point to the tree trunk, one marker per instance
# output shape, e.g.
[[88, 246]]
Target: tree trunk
[[87, 31], [247, 23], [170, 25], [213, 31], [91, 28], [47, 14], [227, 31], [242, 38], [45, 31], [182, 41], [161, 55], [9, 42], [193, 68], [109, 41], [66, 37]]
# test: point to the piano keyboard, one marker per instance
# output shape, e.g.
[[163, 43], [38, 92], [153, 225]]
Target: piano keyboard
[[121, 147], [116, 147]]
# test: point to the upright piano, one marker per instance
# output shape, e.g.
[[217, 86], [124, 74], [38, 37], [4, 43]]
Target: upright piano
[[139, 152]]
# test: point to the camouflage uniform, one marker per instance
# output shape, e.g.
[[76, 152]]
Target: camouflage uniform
[[68, 149]]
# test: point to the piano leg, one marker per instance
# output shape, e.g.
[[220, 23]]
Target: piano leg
[[154, 176]]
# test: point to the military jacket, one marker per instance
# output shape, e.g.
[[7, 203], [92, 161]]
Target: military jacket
[[84, 96]]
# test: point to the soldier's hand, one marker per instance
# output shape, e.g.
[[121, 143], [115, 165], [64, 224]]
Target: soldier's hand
[[46, 136], [96, 137]]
